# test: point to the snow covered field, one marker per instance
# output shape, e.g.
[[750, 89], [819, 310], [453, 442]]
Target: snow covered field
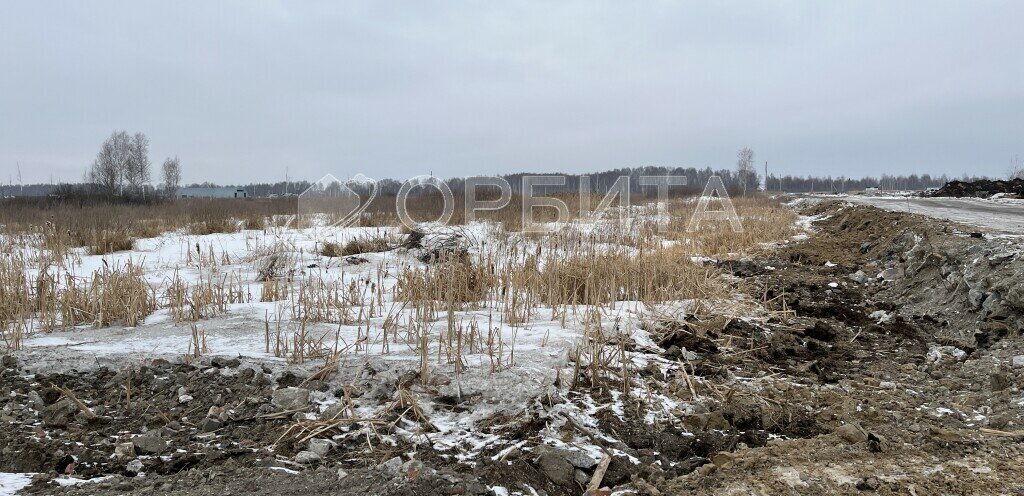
[[470, 311]]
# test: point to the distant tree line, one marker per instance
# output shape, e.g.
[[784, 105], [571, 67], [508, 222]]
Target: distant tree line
[[600, 182], [122, 171], [841, 184]]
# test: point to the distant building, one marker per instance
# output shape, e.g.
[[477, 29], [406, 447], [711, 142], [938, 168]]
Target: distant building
[[212, 193]]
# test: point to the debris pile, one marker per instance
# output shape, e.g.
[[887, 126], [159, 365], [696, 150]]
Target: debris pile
[[983, 188]]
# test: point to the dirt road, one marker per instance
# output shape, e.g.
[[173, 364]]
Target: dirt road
[[1006, 218]]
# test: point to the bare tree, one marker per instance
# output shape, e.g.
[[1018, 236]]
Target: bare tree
[[137, 171], [108, 170], [745, 171], [172, 176], [123, 161], [1016, 169]]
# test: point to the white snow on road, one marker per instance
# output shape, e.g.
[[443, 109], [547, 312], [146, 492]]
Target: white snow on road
[[1004, 216]]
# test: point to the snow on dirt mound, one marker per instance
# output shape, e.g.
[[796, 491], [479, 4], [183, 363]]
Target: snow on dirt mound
[[934, 268], [983, 188]]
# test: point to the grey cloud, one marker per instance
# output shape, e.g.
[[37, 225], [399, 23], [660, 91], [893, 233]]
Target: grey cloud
[[241, 90]]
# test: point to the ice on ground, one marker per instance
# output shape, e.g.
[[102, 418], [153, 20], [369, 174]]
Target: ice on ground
[[11, 483]]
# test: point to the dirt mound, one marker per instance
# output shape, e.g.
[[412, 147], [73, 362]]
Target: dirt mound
[[965, 283], [983, 188], [897, 335], [855, 235]]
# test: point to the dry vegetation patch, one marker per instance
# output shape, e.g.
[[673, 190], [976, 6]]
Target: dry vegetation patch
[[111, 240], [764, 220], [116, 293], [368, 244]]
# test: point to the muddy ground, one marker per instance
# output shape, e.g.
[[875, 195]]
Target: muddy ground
[[886, 359]]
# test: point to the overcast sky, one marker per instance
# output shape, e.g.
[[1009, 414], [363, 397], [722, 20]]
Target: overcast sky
[[242, 90]]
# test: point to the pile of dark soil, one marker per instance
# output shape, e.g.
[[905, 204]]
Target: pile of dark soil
[[983, 188], [202, 428], [897, 337]]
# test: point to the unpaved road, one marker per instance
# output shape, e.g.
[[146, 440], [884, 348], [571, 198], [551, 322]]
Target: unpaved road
[[1006, 218]]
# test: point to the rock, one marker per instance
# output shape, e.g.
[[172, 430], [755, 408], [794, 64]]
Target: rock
[[477, 489], [185, 398], [1000, 380], [392, 467], [320, 446], [859, 277], [124, 451], [852, 433], [706, 469], [577, 458], [868, 484], [342, 474], [890, 274], [722, 459], [412, 469], [209, 425], [150, 443], [943, 435], [225, 363], [620, 470], [36, 401], [59, 413], [307, 457], [939, 353], [217, 413], [716, 421], [976, 297], [1017, 361], [332, 412], [999, 421], [992, 302], [555, 467], [9, 362], [134, 466], [290, 398]]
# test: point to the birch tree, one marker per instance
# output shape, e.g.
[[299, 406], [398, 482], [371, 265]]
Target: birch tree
[[172, 176], [137, 171], [745, 172], [108, 170]]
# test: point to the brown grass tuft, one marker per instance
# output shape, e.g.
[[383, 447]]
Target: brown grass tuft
[[372, 244], [213, 226], [109, 241]]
